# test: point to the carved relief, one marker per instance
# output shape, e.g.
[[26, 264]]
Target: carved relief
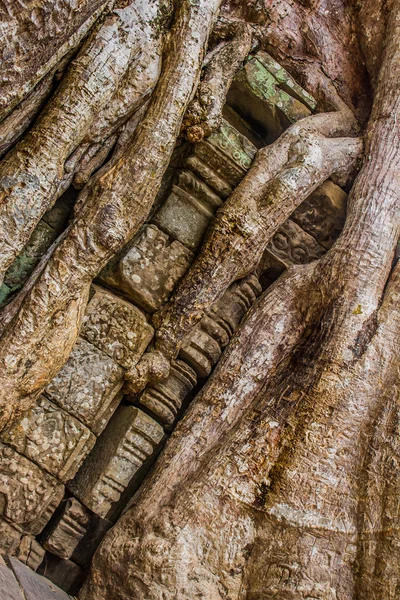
[[293, 246], [116, 327], [67, 531], [51, 438], [28, 495], [129, 440], [30, 552], [88, 385]]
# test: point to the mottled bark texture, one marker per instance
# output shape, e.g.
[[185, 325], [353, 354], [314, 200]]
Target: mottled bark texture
[[282, 479]]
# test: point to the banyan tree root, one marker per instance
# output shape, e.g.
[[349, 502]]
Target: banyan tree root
[[123, 48], [39, 338], [264, 489]]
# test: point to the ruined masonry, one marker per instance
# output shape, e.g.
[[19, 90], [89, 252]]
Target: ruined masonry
[[73, 462]]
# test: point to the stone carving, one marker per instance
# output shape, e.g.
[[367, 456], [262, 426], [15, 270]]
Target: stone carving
[[293, 246], [211, 335], [88, 386], [148, 273], [207, 174], [10, 538], [65, 532], [165, 399], [51, 438], [30, 552], [323, 213], [234, 145], [219, 162], [116, 327], [28, 495], [129, 440]]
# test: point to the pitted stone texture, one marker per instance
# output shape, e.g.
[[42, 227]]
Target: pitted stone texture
[[51, 438], [88, 386], [10, 538], [166, 397], [65, 533], [116, 327], [34, 586], [148, 273], [28, 495], [129, 440], [323, 213], [293, 246], [30, 552]]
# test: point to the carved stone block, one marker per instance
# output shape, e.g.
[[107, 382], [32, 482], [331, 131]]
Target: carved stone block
[[129, 440], [220, 163], [10, 538], [213, 180], [28, 495], [150, 270], [52, 438], [30, 552], [116, 327], [293, 246], [201, 352], [66, 531], [234, 145], [184, 217], [165, 398], [323, 213], [88, 385]]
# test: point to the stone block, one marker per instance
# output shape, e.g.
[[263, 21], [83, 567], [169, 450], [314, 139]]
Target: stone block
[[234, 145], [219, 162], [201, 352], [323, 213], [293, 246], [150, 270], [213, 180], [94, 534], [10, 538], [67, 528], [126, 444], [88, 386], [63, 573], [116, 327], [9, 587], [35, 586], [184, 217], [51, 438], [30, 552], [165, 398], [28, 495]]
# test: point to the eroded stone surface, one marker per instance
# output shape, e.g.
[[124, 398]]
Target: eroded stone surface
[[65, 533], [129, 440], [52, 438], [35, 586], [165, 398], [9, 588], [30, 552], [88, 385], [10, 538], [293, 246], [28, 495], [116, 327], [150, 270]]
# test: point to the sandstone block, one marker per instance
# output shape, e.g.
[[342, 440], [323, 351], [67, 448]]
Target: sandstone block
[[30, 552], [234, 145], [9, 588], [10, 538], [166, 397], [116, 327], [150, 270], [34, 586], [66, 531], [29, 496], [51, 438], [88, 386], [129, 440], [293, 246]]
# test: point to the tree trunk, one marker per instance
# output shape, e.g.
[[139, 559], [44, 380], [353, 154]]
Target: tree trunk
[[281, 479]]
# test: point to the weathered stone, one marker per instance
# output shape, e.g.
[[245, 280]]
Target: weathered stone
[[165, 398], [10, 538], [35, 586], [57, 217], [184, 217], [52, 438], [234, 145], [293, 246], [207, 174], [40, 240], [28, 495], [63, 573], [9, 587], [67, 529], [257, 96], [220, 163], [30, 552], [94, 534], [323, 213], [201, 352], [88, 386], [116, 327], [129, 440], [150, 270]]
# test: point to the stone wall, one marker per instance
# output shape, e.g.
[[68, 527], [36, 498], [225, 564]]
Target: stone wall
[[72, 463]]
